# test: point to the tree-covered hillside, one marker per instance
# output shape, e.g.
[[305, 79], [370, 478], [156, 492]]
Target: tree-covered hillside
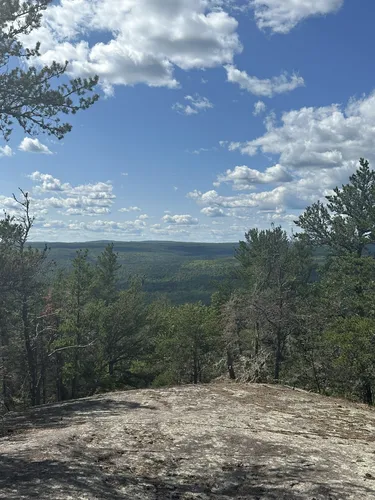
[[89, 323], [183, 272]]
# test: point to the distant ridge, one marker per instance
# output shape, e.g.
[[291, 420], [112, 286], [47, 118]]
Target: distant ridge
[[180, 271]]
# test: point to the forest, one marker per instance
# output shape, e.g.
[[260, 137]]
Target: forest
[[182, 272], [290, 309], [281, 315]]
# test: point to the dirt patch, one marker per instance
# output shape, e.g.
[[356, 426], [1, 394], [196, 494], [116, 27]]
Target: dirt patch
[[219, 441]]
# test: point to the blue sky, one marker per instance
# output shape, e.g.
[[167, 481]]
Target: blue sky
[[215, 116]]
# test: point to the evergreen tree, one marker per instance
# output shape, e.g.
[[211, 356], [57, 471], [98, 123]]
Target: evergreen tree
[[28, 95], [346, 223], [76, 326], [275, 271], [106, 278]]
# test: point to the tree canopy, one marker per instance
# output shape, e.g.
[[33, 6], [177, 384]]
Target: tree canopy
[[30, 95], [347, 222]]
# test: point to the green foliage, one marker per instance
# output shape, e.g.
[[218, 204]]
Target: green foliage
[[276, 273], [347, 286], [35, 102], [185, 343], [346, 223], [182, 272], [106, 279], [96, 325], [351, 345]]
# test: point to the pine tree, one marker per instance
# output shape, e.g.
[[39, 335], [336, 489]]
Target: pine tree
[[346, 223], [29, 95]]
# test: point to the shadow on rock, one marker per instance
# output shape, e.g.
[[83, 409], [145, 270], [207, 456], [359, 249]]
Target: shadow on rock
[[60, 415], [98, 479]]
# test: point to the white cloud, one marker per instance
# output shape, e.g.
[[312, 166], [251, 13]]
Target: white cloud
[[125, 174], [280, 16], [267, 87], [315, 138], [48, 182], [243, 177], [11, 207], [84, 199], [97, 191], [180, 220], [184, 110], [196, 104], [259, 108], [171, 231], [213, 212], [148, 39], [90, 211], [53, 224], [6, 151], [143, 217], [201, 150], [8, 204], [316, 150], [105, 226], [276, 199], [130, 209], [29, 145], [199, 102]]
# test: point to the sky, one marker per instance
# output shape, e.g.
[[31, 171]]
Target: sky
[[215, 116]]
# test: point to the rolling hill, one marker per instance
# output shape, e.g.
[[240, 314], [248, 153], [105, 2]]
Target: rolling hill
[[183, 272]]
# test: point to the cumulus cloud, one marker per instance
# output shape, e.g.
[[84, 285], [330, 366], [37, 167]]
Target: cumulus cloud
[[321, 137], [53, 224], [213, 212], [46, 182], [6, 151], [317, 148], [267, 87], [243, 177], [259, 108], [29, 145], [148, 39], [280, 16], [84, 199], [276, 199], [99, 226], [196, 104], [89, 211], [130, 209], [171, 231], [180, 220], [8, 204], [11, 207]]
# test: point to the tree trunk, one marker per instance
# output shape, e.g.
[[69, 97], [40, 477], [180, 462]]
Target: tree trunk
[[368, 397], [195, 370], [278, 356], [31, 364], [76, 351], [232, 374], [4, 389], [316, 378], [111, 367], [256, 348], [61, 390]]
